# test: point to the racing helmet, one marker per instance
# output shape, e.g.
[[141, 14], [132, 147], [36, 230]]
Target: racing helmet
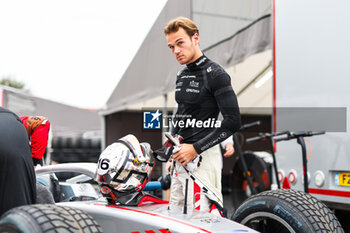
[[124, 167]]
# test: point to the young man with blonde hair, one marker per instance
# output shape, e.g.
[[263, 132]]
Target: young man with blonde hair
[[203, 89]]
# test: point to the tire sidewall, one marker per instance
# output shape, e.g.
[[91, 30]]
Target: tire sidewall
[[278, 208], [20, 221]]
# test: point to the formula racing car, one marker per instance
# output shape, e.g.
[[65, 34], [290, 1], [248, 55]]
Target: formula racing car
[[115, 195]]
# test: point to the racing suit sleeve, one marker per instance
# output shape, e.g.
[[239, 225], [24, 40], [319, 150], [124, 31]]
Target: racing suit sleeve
[[227, 140], [39, 140], [220, 87]]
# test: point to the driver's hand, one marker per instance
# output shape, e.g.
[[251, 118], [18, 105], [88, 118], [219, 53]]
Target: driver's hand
[[229, 150], [186, 154]]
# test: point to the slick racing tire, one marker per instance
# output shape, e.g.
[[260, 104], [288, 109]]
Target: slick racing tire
[[47, 218], [286, 211]]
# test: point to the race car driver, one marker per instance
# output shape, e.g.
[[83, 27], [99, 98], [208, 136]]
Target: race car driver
[[203, 89], [17, 177], [38, 131]]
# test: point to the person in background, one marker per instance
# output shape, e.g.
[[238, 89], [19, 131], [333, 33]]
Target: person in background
[[38, 131], [17, 177]]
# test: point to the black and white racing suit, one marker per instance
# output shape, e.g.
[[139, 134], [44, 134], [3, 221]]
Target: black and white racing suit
[[203, 89]]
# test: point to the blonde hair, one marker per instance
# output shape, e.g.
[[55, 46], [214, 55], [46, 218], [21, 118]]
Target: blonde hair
[[188, 25]]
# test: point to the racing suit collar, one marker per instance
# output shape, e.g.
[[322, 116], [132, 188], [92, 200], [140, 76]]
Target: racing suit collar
[[202, 60]]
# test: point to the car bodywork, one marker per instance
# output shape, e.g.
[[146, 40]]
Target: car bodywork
[[148, 217]]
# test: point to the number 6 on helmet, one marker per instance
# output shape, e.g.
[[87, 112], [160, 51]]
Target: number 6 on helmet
[[124, 167]]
